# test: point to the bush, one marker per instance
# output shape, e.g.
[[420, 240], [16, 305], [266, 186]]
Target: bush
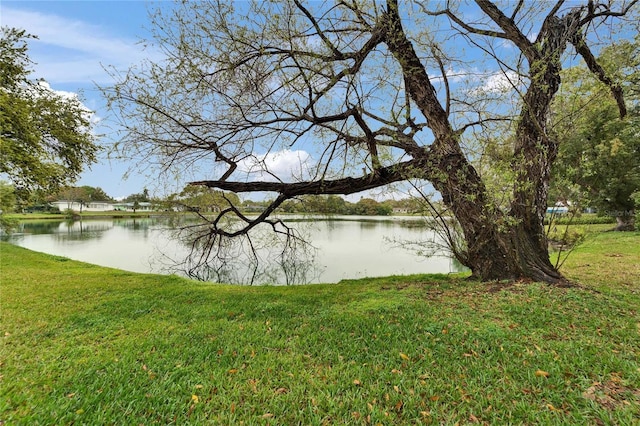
[[584, 219], [561, 236]]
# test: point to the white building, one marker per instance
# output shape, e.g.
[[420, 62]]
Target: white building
[[102, 206], [91, 206], [142, 206]]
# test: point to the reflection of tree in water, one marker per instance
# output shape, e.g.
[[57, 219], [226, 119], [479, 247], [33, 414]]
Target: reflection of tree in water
[[39, 227], [431, 240], [368, 224], [66, 230], [258, 257], [137, 224], [140, 225], [79, 230]]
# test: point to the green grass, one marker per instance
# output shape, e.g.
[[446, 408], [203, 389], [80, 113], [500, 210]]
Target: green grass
[[82, 344]]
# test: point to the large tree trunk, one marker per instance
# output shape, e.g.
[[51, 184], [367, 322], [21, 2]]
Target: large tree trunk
[[499, 246], [625, 223], [512, 254]]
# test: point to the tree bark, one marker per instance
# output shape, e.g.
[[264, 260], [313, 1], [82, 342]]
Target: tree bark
[[514, 255], [625, 223]]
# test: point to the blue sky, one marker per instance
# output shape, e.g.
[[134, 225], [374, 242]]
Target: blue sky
[[76, 38]]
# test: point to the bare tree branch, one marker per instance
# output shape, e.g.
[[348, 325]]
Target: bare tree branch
[[349, 185], [616, 90], [463, 24], [511, 31], [606, 11]]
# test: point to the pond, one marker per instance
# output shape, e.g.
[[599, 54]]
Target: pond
[[343, 248]]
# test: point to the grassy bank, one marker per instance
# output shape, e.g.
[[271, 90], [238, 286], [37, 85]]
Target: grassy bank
[[89, 345]]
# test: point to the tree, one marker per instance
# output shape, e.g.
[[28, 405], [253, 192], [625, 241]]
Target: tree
[[203, 199], [373, 86], [142, 197], [599, 157], [7, 205], [136, 199], [330, 204], [86, 192], [97, 193], [7, 197], [370, 207], [45, 136], [81, 195]]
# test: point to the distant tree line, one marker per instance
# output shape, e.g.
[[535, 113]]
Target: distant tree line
[[206, 200], [334, 204]]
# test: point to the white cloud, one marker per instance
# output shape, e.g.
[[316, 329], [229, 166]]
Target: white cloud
[[501, 82], [90, 115], [69, 50], [454, 75], [287, 165], [46, 91]]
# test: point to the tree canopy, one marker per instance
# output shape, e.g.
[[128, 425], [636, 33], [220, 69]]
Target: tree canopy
[[203, 199], [46, 137], [83, 194], [360, 95], [599, 158]]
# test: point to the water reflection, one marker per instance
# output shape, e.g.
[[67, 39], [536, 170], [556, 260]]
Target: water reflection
[[259, 257], [340, 249]]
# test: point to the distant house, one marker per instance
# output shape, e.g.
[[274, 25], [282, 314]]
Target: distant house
[[559, 208], [91, 206], [400, 210], [101, 206], [142, 206]]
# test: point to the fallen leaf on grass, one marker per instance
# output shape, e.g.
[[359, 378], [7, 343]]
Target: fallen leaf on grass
[[357, 382], [541, 373], [195, 398], [404, 356], [267, 415], [612, 394]]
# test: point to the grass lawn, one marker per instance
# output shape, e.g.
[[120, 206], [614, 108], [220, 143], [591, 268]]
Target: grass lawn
[[83, 344]]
